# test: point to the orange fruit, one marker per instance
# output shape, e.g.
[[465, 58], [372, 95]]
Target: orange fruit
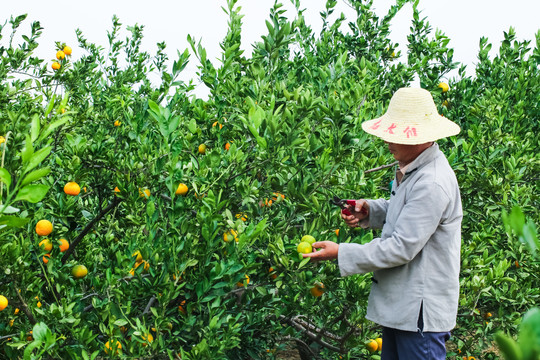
[[16, 311], [60, 55], [117, 123], [46, 258], [46, 245], [227, 146], [3, 302], [44, 227], [38, 304], [64, 245], [55, 65], [67, 50], [139, 258], [72, 188], [144, 193], [109, 346], [230, 235], [182, 189], [116, 189], [202, 149], [304, 247], [372, 345], [317, 290], [444, 87], [308, 238], [240, 283], [274, 275], [79, 271], [181, 307], [379, 343], [337, 232], [149, 337], [241, 216]]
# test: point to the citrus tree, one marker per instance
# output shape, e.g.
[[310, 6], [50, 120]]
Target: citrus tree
[[140, 221]]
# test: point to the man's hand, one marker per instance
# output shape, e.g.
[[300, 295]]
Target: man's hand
[[329, 251], [357, 215]]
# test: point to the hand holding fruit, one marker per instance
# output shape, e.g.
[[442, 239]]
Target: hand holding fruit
[[328, 251], [361, 211]]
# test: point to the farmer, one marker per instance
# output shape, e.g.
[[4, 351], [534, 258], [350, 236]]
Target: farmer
[[415, 262]]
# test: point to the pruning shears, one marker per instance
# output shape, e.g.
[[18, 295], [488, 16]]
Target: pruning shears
[[345, 210]]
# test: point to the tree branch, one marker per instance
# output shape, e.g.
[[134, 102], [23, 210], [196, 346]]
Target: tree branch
[[89, 227]]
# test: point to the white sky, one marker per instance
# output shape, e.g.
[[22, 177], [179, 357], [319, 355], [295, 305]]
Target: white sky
[[463, 21]]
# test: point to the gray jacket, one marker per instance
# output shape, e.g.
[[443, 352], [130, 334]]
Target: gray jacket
[[416, 260]]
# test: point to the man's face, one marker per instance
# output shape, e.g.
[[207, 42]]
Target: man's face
[[406, 153]]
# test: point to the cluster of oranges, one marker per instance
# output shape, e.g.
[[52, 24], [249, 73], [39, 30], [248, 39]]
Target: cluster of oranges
[[374, 345], [304, 247], [138, 262], [61, 57]]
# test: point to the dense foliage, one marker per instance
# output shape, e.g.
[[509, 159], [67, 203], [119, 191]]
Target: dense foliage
[[282, 135]]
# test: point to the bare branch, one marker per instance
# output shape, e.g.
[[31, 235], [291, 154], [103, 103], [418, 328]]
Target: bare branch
[[381, 167]]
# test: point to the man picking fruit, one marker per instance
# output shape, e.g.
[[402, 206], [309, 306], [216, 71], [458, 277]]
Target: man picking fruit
[[415, 262]]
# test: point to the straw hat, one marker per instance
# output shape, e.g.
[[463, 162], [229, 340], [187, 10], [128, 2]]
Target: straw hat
[[412, 118]]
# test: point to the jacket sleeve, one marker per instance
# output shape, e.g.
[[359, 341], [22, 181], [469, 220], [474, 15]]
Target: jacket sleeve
[[414, 226], [377, 214]]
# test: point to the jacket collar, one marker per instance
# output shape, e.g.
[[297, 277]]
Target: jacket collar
[[424, 158]]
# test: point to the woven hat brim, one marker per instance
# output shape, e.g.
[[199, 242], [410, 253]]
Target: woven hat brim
[[409, 132]]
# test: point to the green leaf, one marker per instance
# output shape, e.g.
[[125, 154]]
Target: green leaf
[[150, 208], [50, 106], [120, 322], [529, 334], [35, 126], [35, 175], [28, 150], [40, 331], [11, 210], [13, 221], [5, 177], [49, 129], [509, 347], [303, 262], [29, 349], [32, 193], [38, 157], [192, 126], [173, 124]]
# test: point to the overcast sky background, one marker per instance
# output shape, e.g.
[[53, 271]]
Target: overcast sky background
[[463, 21]]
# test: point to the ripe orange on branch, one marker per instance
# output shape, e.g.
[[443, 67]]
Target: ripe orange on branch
[[56, 65], [46, 245], [182, 189], [72, 188], [317, 290], [3, 302], [304, 247], [110, 344], [202, 149], [64, 245], [44, 227], [67, 50], [444, 87], [230, 235], [372, 345], [60, 55], [79, 271]]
